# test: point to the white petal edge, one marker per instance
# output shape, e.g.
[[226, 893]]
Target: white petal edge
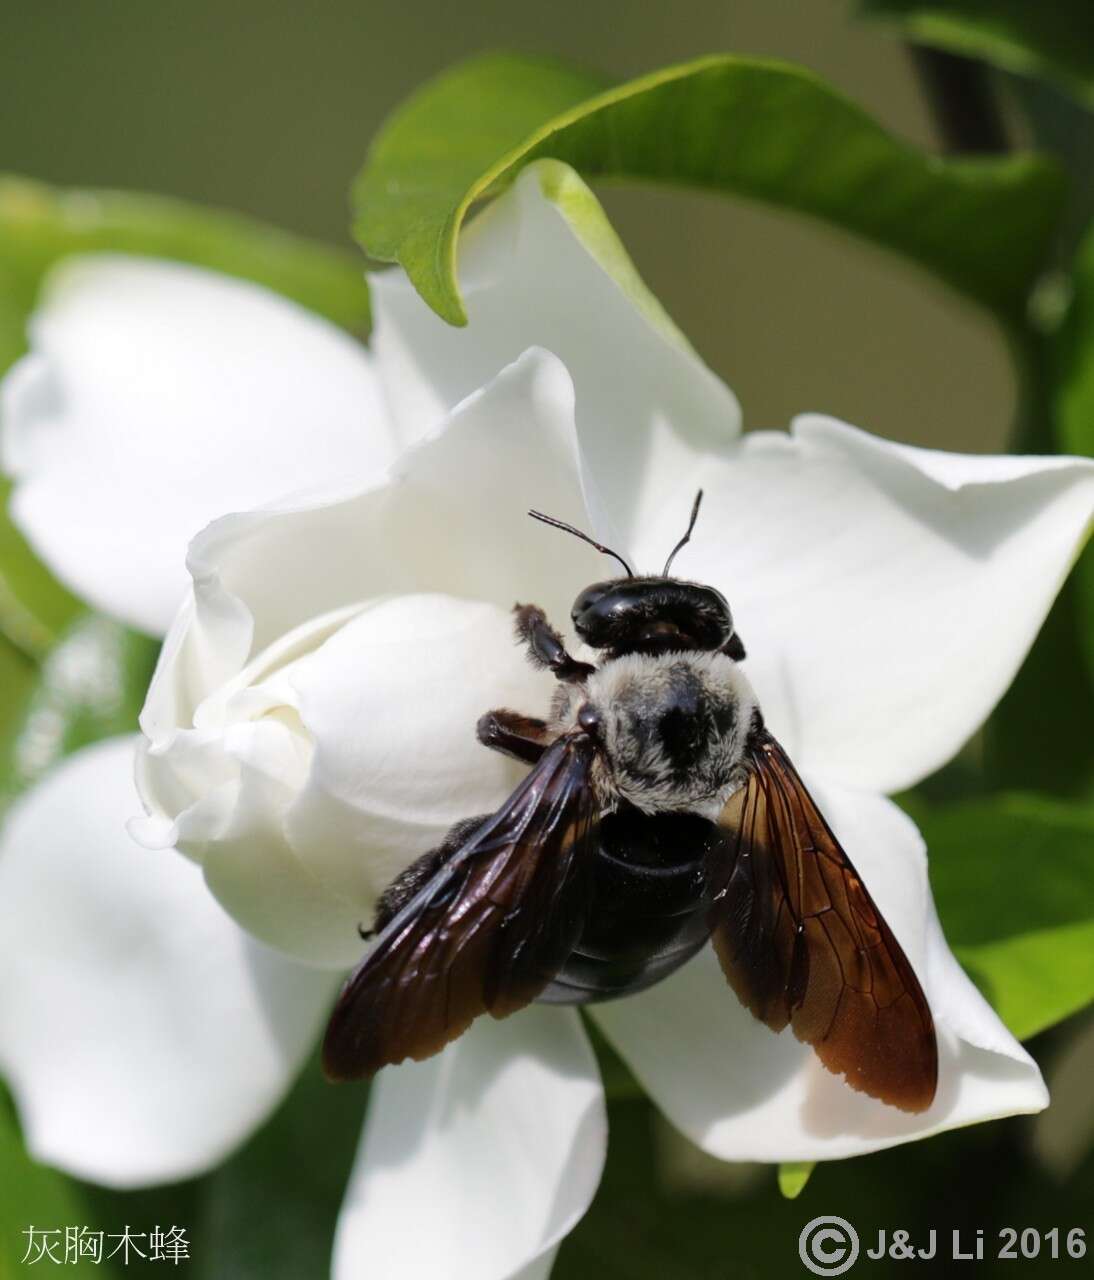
[[157, 396], [143, 1034], [541, 266], [743, 1093], [449, 517], [886, 595], [477, 1162]]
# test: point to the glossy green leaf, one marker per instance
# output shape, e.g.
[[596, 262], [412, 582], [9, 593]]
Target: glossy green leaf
[[793, 1176], [1050, 38], [1038, 979], [1013, 877], [734, 125]]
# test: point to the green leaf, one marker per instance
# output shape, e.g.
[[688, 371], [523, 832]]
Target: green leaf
[[793, 1175], [733, 125], [1036, 980], [1053, 38], [1013, 876]]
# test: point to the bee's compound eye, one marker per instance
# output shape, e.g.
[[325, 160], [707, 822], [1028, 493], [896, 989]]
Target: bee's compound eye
[[588, 718], [592, 614]]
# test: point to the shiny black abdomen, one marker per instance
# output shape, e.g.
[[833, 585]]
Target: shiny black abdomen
[[648, 906]]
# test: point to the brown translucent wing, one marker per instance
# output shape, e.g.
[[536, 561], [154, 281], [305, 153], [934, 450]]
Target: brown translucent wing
[[803, 944], [485, 935]]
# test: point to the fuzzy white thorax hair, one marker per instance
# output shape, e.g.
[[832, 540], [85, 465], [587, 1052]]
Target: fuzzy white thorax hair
[[674, 728]]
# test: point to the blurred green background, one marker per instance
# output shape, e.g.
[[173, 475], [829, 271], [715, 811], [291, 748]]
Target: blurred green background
[[267, 108]]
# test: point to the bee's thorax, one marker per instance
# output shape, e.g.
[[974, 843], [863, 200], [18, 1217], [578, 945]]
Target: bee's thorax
[[673, 728]]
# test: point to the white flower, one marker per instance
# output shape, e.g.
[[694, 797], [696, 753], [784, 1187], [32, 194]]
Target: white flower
[[310, 728]]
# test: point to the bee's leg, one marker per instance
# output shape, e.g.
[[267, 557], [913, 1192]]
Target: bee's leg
[[523, 737], [545, 646], [407, 883]]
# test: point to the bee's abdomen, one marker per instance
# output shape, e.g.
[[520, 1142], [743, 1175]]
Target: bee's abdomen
[[648, 906]]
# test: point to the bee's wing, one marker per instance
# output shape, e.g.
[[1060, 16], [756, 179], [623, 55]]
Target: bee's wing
[[486, 934], [803, 944]]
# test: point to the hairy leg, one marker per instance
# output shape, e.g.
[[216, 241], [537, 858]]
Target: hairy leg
[[522, 737], [407, 883], [545, 646]]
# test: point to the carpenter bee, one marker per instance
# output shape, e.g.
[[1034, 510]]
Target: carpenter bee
[[659, 813]]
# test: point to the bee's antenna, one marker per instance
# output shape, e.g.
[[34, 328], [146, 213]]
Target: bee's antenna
[[569, 528], [687, 536]]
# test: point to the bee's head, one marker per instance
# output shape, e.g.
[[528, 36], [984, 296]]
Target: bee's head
[[651, 614]]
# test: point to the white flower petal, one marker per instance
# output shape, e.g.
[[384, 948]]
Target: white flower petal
[[334, 759], [158, 396], [743, 1093], [391, 703], [886, 596], [220, 792], [541, 266], [143, 1034], [477, 1162], [230, 737], [450, 518]]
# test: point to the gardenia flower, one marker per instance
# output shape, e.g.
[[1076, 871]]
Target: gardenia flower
[[310, 727]]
